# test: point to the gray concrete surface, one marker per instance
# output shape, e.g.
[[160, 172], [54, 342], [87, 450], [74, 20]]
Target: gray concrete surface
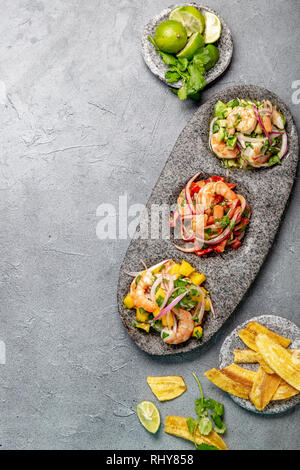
[[82, 122]]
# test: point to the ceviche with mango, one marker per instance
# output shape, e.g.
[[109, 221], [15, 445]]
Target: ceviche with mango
[[170, 299], [210, 216], [248, 134]]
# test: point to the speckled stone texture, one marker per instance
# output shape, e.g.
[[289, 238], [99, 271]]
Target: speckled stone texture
[[159, 68], [279, 325], [228, 275]]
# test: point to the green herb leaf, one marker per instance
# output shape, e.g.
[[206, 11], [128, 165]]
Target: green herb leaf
[[191, 423], [206, 447], [168, 59], [172, 77], [153, 42], [273, 160], [205, 426]]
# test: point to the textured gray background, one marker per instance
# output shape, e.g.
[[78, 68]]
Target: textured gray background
[[83, 121]]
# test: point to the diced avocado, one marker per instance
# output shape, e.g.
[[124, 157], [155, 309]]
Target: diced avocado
[[220, 134], [221, 122]]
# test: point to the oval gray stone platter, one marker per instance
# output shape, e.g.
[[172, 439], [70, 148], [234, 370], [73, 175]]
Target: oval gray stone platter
[[279, 325], [159, 68], [229, 275]]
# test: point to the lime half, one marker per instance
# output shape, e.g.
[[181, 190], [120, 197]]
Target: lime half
[[170, 36], [195, 42], [213, 28], [149, 416], [191, 18]]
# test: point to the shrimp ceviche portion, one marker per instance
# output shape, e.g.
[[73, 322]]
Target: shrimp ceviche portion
[[170, 299], [248, 134], [210, 216]]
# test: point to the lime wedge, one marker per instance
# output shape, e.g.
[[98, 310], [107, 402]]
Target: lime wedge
[[191, 18], [213, 28], [195, 42], [149, 416]]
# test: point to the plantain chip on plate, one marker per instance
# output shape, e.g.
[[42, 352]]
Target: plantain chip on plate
[[269, 375]]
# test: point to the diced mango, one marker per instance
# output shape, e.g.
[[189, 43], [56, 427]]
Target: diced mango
[[185, 268], [207, 305], [141, 316], [196, 298], [197, 332], [156, 311], [160, 293], [128, 301], [143, 326], [174, 268], [167, 320], [197, 278]]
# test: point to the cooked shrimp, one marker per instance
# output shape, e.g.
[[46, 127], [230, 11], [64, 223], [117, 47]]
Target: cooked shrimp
[[277, 118], [183, 207], [138, 291], [184, 329], [243, 119], [221, 149], [208, 192]]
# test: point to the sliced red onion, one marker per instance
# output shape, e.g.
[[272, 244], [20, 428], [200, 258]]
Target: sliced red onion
[[261, 124], [187, 193], [175, 322], [133, 274], [201, 308], [185, 250], [169, 292], [219, 239], [211, 307], [154, 286], [158, 265], [170, 306], [284, 146], [242, 138]]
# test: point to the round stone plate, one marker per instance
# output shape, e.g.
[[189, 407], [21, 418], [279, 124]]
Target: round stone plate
[[229, 275], [159, 68], [279, 325]]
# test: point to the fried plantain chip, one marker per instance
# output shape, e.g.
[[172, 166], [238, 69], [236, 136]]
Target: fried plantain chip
[[249, 334], [167, 388], [279, 359], [263, 388], [239, 374], [229, 384], [177, 426], [248, 356], [284, 391]]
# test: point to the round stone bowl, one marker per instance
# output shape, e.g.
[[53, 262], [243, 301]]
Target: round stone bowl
[[159, 68], [279, 325]]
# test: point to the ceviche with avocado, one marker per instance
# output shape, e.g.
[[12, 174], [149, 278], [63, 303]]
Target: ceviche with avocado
[[248, 134], [210, 215], [170, 298]]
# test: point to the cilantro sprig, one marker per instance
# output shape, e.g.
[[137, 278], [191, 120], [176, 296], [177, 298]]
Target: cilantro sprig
[[209, 417], [191, 72]]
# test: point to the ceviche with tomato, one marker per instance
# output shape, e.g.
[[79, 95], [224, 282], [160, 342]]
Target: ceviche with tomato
[[210, 216], [169, 298], [248, 134]]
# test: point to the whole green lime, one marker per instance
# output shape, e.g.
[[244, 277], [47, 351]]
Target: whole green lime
[[170, 36]]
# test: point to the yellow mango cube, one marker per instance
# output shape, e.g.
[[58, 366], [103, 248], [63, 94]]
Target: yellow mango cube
[[141, 316], [142, 326], [207, 305], [197, 278], [156, 311], [160, 293], [185, 268], [174, 268], [128, 301], [197, 332]]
